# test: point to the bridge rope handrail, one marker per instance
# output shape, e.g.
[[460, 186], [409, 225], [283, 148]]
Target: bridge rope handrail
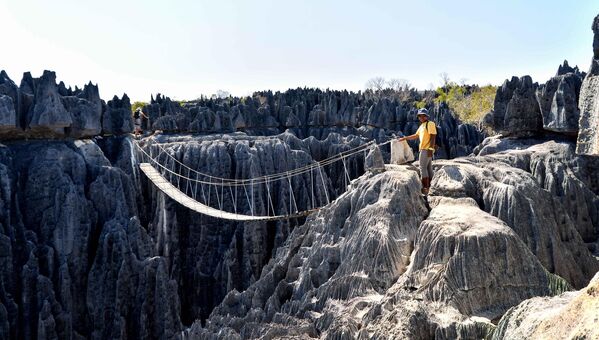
[[279, 175], [220, 181], [173, 187]]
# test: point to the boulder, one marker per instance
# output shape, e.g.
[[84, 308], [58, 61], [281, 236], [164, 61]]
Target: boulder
[[588, 135], [374, 160]]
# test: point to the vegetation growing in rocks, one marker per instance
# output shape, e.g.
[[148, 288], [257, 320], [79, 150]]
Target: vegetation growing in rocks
[[138, 105], [469, 102]]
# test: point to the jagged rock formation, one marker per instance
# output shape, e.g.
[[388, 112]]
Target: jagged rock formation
[[572, 315], [39, 108], [78, 261], [516, 110], [443, 268], [117, 116], [90, 249], [421, 280], [61, 203], [310, 112], [523, 108], [588, 137], [558, 100], [529, 190], [9, 104], [352, 250], [243, 248]]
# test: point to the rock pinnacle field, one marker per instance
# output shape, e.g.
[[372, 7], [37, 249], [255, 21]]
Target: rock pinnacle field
[[301, 214]]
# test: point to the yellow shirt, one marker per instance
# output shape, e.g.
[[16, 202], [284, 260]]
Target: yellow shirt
[[424, 132]]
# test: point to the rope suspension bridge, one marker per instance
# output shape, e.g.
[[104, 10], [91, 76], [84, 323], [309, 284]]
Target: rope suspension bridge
[[200, 191]]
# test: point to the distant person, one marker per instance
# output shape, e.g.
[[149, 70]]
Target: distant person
[[137, 115], [427, 132]]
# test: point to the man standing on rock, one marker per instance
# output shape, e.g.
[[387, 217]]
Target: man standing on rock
[[426, 133], [137, 116]]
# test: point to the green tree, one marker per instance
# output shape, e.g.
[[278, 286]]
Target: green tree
[[138, 105], [470, 103]]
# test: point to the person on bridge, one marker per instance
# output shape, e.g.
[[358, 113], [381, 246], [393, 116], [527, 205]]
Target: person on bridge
[[427, 132]]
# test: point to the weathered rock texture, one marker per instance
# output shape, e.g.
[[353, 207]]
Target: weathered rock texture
[[444, 267], [532, 190], [211, 256], [523, 108], [76, 262], [311, 112], [362, 269], [40, 108], [572, 315], [558, 100], [516, 111], [588, 137], [89, 248], [9, 104]]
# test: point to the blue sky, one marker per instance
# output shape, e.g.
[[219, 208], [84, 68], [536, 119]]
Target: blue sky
[[187, 48]]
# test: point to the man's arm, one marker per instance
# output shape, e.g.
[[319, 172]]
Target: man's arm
[[411, 137], [433, 141]]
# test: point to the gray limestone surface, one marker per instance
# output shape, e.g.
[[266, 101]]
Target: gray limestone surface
[[588, 136], [90, 249], [558, 100]]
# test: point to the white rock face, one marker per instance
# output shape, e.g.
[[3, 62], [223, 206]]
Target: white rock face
[[572, 315], [588, 135], [533, 191], [455, 247]]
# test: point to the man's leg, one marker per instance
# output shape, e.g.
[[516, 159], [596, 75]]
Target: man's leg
[[430, 172], [423, 162]]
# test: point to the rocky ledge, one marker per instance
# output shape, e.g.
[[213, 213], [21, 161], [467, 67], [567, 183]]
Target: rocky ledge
[[499, 228], [588, 137], [40, 108]]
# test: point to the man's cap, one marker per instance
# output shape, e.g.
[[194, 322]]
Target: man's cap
[[422, 112]]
